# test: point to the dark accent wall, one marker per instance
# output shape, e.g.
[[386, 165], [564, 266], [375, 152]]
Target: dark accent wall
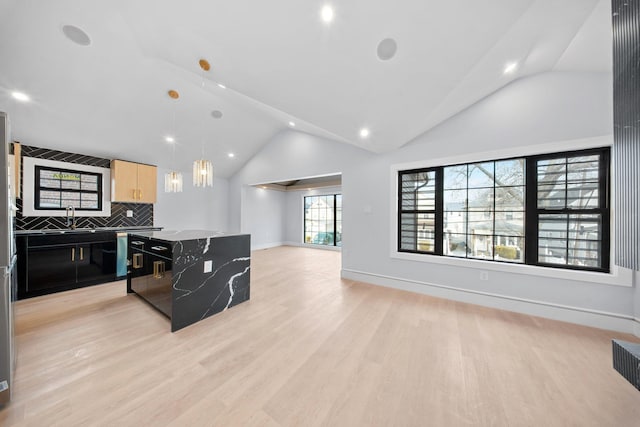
[[61, 156], [626, 130], [142, 213]]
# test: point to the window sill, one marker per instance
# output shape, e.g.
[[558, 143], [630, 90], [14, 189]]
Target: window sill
[[618, 277]]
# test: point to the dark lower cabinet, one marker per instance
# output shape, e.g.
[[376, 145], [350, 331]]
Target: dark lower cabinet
[[50, 264], [159, 285], [138, 272], [50, 267], [150, 275], [97, 261]]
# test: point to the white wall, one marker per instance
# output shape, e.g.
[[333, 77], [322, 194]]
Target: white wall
[[263, 215], [545, 110], [294, 212], [290, 155], [193, 208], [274, 218]]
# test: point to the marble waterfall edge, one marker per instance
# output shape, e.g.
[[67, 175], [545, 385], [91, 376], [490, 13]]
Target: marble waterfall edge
[[197, 295]]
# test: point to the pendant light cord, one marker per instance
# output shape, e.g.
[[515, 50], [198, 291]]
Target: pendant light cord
[[173, 145], [202, 118]]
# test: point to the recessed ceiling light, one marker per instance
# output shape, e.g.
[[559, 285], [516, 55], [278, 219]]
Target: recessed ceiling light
[[217, 114], [510, 68], [387, 49], [76, 35], [221, 86], [292, 124], [364, 133], [21, 96], [231, 155], [169, 139], [327, 13]]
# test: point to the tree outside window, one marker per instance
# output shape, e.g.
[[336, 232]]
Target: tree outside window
[[550, 210]]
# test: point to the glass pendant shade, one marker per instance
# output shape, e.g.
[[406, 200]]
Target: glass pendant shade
[[202, 173], [173, 182]]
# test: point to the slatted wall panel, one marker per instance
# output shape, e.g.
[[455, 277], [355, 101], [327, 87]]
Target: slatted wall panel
[[626, 132], [626, 360]]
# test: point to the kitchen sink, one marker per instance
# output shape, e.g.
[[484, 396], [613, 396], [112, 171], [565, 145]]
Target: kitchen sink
[[75, 230]]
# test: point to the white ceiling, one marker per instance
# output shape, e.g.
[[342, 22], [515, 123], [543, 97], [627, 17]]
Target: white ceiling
[[280, 62]]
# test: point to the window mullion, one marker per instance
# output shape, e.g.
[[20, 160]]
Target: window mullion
[[466, 214], [493, 234], [439, 212], [531, 215], [335, 220], [604, 205], [566, 205]]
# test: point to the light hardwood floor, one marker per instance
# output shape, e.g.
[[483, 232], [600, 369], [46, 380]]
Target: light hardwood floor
[[309, 349]]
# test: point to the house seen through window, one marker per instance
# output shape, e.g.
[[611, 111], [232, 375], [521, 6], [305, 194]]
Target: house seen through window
[[550, 210], [59, 188]]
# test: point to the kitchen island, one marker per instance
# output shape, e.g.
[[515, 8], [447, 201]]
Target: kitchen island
[[189, 275]]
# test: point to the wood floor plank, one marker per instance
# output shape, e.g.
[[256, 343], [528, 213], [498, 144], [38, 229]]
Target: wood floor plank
[[309, 349]]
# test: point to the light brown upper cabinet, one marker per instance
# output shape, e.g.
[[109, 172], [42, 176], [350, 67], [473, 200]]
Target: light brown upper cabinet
[[133, 182]]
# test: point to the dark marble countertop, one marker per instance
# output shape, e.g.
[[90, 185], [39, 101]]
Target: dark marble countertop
[[184, 235], [85, 230]]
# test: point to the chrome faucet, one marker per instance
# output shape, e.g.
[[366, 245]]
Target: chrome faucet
[[71, 223]]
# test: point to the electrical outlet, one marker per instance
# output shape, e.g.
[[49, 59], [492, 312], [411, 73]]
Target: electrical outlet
[[484, 275], [129, 214], [208, 266]]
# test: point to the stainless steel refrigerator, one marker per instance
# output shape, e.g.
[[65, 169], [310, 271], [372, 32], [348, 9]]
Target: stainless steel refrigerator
[[8, 269]]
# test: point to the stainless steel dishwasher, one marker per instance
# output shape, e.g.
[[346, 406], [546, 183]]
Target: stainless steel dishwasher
[[121, 254]]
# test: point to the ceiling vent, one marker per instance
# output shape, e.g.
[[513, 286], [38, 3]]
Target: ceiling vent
[[76, 35], [387, 49]]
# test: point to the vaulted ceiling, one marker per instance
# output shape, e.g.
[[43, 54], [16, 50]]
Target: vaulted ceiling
[[280, 63]]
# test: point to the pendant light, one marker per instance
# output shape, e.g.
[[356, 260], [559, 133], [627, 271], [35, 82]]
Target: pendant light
[[173, 182], [202, 168], [202, 173], [173, 179]]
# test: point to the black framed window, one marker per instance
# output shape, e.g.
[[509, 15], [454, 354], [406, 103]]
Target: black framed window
[[56, 189], [550, 210], [323, 220], [484, 210], [571, 210], [419, 200]]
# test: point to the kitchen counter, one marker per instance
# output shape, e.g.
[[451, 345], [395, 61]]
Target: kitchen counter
[[185, 235], [83, 230], [189, 275]]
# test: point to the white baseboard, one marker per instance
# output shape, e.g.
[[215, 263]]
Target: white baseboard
[[266, 246], [578, 315], [307, 245], [301, 245]]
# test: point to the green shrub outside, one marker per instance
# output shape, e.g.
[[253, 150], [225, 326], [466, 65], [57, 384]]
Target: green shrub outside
[[425, 247], [506, 252]]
